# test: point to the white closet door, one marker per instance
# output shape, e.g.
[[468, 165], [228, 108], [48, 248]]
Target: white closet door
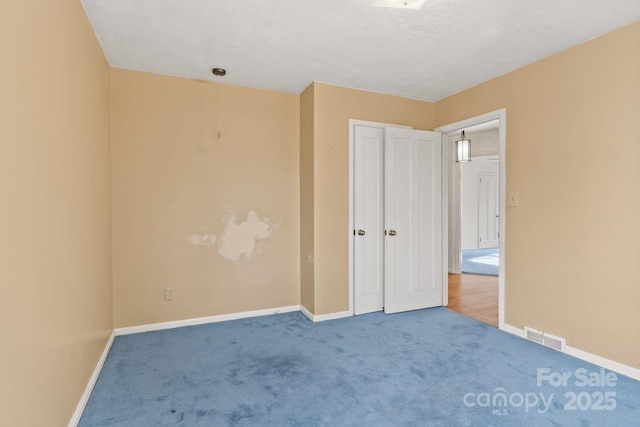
[[368, 219], [413, 222]]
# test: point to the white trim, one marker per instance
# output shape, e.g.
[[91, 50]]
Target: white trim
[[473, 121], [456, 226], [332, 316], [84, 399], [500, 115], [352, 124], [323, 317], [444, 242], [502, 134], [306, 312], [203, 320], [609, 364]]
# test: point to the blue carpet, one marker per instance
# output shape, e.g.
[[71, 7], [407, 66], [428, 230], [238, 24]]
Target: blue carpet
[[423, 368], [481, 261]]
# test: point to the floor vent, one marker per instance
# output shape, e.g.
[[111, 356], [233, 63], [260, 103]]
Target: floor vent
[[545, 339]]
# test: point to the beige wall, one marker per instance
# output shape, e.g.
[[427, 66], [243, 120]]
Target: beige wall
[[55, 210], [573, 242], [333, 107], [176, 184], [306, 199]]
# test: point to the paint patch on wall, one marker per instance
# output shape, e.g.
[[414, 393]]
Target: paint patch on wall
[[202, 239], [238, 239], [244, 238]]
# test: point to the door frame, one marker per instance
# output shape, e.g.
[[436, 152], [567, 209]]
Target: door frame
[[501, 116], [352, 124]]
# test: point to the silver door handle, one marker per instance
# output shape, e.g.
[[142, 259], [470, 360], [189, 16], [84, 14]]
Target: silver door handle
[[360, 232], [392, 232]]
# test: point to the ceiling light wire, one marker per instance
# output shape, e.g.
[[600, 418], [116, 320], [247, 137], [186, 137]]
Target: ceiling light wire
[[219, 133]]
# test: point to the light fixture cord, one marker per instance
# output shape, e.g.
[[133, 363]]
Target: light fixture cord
[[219, 134]]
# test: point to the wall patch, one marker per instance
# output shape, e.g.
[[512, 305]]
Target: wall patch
[[244, 238]]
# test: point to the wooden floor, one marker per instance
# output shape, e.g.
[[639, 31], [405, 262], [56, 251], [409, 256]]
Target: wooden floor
[[475, 296]]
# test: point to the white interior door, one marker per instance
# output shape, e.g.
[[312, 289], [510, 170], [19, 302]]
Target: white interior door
[[488, 210], [368, 219], [413, 220]]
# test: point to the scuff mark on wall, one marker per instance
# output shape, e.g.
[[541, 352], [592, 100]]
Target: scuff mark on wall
[[244, 238], [202, 239], [237, 239]]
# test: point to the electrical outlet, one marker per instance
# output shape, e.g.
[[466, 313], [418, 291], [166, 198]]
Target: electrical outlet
[[513, 198], [168, 294]]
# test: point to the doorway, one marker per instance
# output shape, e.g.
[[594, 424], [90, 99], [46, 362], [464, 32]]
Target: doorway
[[480, 225]]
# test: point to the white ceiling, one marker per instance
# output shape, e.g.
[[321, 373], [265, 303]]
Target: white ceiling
[[284, 45]]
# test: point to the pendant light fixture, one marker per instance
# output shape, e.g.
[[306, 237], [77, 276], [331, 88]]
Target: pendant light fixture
[[463, 149]]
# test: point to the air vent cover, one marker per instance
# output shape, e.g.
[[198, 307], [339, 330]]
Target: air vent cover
[[545, 339]]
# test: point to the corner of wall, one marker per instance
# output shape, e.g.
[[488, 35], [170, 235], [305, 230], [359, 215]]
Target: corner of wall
[[307, 223]]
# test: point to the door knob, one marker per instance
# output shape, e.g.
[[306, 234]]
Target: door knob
[[392, 232], [360, 232]]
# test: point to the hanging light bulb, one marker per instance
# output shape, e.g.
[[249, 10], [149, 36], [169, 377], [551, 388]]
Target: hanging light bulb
[[463, 149]]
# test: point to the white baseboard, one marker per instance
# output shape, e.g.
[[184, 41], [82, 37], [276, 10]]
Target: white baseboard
[[323, 317], [75, 418], [203, 320], [306, 312], [609, 364]]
